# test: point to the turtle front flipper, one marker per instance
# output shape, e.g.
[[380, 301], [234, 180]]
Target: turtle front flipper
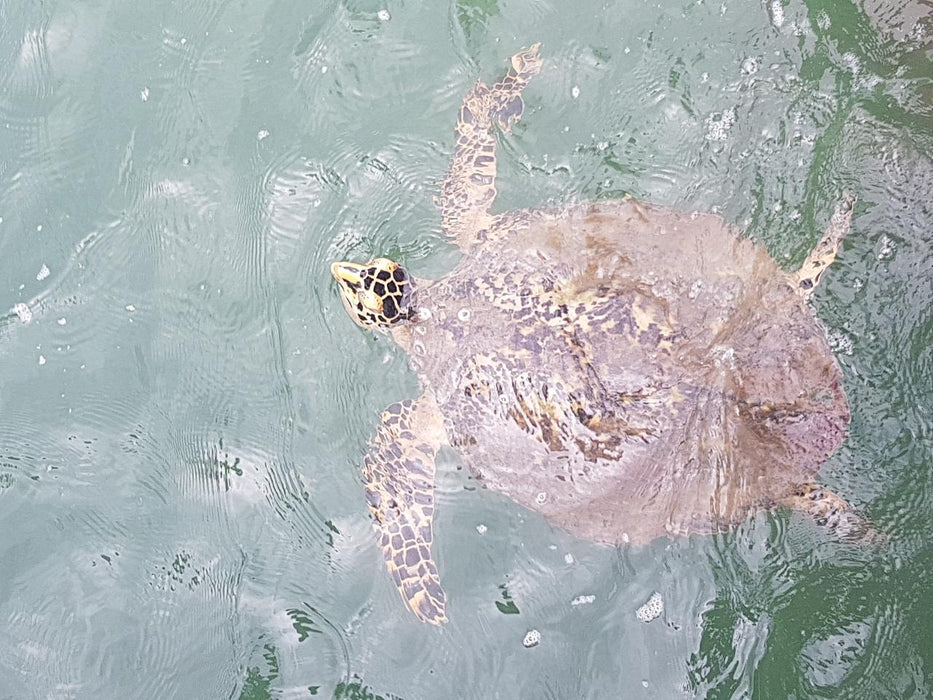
[[470, 185], [399, 476], [822, 256]]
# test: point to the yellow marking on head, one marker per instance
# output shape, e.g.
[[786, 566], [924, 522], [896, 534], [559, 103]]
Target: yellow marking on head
[[347, 272]]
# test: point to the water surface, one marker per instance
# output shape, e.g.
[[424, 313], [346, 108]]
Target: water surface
[[184, 404]]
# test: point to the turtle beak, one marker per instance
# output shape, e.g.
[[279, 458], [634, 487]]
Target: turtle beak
[[347, 272]]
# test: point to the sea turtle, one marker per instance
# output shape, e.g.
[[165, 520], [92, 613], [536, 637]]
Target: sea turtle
[[628, 371]]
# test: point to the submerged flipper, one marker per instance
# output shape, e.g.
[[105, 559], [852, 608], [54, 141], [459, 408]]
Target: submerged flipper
[[831, 511], [399, 476], [822, 256], [470, 185]]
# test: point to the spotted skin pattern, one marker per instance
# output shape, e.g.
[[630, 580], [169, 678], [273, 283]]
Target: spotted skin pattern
[[399, 477], [374, 294]]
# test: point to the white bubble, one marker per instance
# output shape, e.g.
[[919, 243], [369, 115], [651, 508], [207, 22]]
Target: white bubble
[[575, 92], [718, 125], [652, 608], [532, 639], [22, 311], [62, 321], [840, 343], [463, 315], [263, 133], [541, 498], [41, 359], [777, 13], [750, 66], [144, 94], [887, 248], [583, 600], [481, 529], [852, 62], [43, 273], [383, 15], [130, 308], [568, 558]]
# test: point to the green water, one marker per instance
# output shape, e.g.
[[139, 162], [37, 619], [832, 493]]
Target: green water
[[183, 415]]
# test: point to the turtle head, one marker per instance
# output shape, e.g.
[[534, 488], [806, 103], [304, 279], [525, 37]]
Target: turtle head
[[376, 294]]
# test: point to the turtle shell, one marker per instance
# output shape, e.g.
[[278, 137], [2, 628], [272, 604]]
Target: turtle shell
[[628, 371]]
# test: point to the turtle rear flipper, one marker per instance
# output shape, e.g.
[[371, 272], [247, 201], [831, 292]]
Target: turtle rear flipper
[[831, 511], [399, 476], [470, 185]]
